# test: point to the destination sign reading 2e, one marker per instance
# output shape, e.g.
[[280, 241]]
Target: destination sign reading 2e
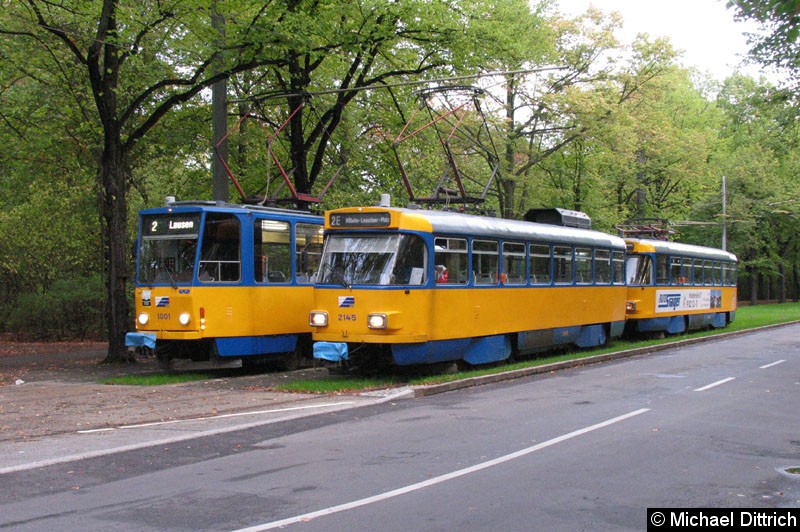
[[360, 219]]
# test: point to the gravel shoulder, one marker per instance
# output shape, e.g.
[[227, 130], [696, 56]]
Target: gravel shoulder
[[54, 388]]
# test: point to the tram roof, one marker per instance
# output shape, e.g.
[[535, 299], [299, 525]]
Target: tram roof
[[688, 250], [454, 223], [220, 206]]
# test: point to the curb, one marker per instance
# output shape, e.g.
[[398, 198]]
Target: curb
[[433, 389]]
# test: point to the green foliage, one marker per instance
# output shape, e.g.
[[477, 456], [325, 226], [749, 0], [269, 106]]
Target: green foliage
[[69, 309], [777, 42], [758, 153], [615, 122]]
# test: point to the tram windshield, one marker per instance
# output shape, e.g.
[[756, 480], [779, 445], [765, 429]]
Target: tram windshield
[[639, 270], [396, 259], [168, 248]]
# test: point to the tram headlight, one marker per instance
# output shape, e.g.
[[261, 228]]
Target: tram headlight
[[184, 318], [630, 306], [318, 319], [377, 321], [143, 318]]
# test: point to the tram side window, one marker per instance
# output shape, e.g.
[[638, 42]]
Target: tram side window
[[662, 269], [618, 266], [729, 274], [708, 272], [451, 260], [562, 264], [307, 251], [272, 251], [697, 271], [717, 273], [677, 276], [514, 263], [540, 264], [219, 253], [485, 261], [583, 265], [602, 266]]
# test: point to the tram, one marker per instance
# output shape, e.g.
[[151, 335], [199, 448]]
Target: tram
[[674, 288], [226, 283], [404, 286]]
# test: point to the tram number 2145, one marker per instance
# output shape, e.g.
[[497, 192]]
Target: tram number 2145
[[347, 317]]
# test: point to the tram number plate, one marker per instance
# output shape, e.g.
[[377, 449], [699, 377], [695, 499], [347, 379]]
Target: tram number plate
[[347, 317]]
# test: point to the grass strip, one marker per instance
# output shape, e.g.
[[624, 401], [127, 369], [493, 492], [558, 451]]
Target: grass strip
[[749, 317], [156, 379]]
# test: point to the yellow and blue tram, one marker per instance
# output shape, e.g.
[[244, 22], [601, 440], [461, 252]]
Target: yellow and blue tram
[[673, 287], [410, 286], [226, 283]]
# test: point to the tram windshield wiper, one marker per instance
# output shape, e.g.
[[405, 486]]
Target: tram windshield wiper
[[334, 275], [163, 265]]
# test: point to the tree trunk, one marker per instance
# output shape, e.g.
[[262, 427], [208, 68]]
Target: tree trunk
[[114, 207], [509, 192]]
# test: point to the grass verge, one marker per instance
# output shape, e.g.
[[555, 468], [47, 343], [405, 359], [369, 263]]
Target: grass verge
[[746, 318], [156, 379]]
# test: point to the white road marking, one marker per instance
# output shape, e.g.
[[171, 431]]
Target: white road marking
[[713, 384], [149, 442], [442, 478], [773, 364], [221, 416]]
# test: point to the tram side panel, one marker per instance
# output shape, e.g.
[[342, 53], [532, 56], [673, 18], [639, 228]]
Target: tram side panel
[[519, 309], [482, 318], [674, 287], [675, 310], [428, 325]]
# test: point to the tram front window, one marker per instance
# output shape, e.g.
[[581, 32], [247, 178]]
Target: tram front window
[[168, 249], [639, 270], [373, 260]]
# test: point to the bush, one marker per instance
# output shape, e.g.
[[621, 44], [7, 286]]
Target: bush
[[70, 309]]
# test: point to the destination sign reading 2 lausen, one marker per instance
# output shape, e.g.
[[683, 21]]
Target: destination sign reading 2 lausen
[[360, 219], [172, 224]]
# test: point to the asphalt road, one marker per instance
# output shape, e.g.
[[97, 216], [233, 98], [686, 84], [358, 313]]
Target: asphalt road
[[705, 425]]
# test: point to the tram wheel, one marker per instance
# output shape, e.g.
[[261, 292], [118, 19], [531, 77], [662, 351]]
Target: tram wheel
[[165, 362], [301, 356]]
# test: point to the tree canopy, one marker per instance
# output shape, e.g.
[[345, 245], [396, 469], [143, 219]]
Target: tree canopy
[[106, 109]]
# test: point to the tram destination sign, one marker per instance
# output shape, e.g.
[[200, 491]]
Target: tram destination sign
[[164, 225], [360, 219]]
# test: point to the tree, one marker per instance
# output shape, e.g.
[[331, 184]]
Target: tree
[[758, 154], [550, 128], [776, 44], [137, 62], [140, 61], [369, 45]]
